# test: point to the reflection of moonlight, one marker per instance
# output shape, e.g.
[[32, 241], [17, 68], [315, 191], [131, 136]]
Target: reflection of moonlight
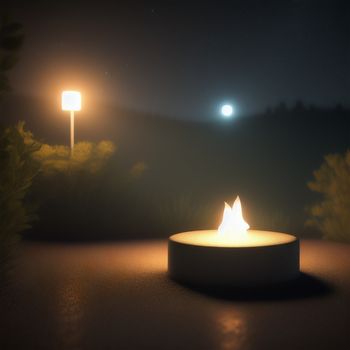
[[227, 110]]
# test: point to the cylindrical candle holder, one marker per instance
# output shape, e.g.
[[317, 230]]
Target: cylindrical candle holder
[[270, 258]]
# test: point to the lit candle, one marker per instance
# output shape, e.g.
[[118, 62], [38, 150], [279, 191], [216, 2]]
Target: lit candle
[[233, 255]]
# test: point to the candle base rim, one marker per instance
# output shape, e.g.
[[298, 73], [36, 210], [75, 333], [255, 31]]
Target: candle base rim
[[290, 239]]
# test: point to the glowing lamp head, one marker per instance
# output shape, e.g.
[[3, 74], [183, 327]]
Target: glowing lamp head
[[227, 111], [71, 101], [233, 227]]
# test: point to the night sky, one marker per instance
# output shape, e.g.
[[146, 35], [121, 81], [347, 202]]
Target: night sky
[[184, 59]]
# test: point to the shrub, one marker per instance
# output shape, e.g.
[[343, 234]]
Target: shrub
[[17, 171], [87, 156], [331, 214], [87, 195]]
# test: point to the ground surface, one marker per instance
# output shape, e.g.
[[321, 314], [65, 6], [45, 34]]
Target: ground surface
[[117, 296]]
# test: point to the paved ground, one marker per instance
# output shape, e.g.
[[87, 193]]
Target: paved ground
[[117, 296]]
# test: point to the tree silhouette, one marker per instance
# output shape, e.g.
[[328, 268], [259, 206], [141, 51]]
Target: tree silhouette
[[331, 213], [17, 171]]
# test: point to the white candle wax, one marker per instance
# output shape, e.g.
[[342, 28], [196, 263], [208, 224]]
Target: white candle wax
[[253, 238]]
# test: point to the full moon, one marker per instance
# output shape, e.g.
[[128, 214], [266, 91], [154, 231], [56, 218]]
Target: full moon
[[227, 110]]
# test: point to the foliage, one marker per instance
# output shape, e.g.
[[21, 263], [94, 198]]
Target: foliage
[[331, 214], [86, 194], [17, 171], [11, 39], [86, 156]]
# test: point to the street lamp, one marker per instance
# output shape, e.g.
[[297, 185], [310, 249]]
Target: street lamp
[[71, 101]]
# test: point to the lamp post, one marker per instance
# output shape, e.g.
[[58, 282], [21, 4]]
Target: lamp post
[[71, 101]]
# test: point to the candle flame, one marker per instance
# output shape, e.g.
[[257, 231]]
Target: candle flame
[[233, 226]]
